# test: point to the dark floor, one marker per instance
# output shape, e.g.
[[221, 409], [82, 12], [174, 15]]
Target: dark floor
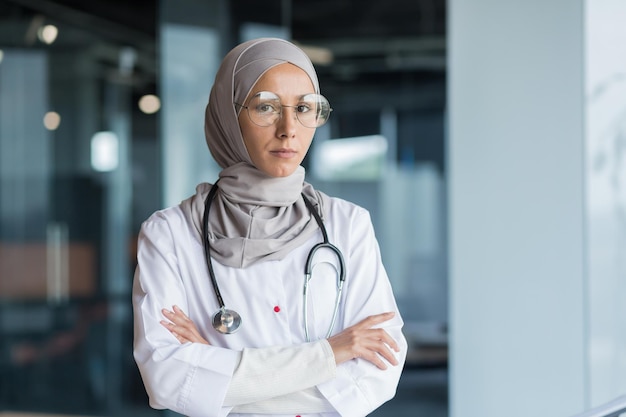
[[421, 393]]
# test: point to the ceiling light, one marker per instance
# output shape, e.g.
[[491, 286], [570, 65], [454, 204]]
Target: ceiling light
[[149, 104], [52, 120], [47, 34]]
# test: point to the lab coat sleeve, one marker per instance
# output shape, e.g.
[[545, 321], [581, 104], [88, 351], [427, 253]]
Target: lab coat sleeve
[[281, 375], [360, 387], [191, 378]]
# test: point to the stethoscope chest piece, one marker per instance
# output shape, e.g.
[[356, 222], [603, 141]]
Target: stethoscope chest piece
[[226, 321]]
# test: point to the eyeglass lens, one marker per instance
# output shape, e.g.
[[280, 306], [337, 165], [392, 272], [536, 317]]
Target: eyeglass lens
[[265, 108]]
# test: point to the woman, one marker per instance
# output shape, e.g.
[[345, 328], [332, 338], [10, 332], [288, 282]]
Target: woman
[[284, 352]]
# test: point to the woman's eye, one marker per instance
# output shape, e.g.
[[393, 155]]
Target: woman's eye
[[266, 108], [303, 108]]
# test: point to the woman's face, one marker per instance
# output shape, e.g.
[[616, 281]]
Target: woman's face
[[279, 149]]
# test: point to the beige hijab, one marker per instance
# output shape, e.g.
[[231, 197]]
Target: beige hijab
[[253, 217]]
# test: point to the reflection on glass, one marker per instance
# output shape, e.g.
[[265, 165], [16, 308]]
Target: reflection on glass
[[104, 151], [357, 158]]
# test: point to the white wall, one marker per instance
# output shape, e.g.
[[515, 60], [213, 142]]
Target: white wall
[[605, 80], [516, 198]]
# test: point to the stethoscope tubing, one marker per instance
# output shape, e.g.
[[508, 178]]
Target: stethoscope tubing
[[308, 270], [207, 245], [307, 278]]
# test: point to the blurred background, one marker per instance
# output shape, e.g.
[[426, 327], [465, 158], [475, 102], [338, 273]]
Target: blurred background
[[102, 123], [487, 139]]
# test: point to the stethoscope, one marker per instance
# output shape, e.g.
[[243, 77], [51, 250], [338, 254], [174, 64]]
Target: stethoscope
[[228, 321]]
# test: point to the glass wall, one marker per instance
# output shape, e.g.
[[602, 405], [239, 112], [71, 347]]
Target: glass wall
[[81, 166], [73, 145]]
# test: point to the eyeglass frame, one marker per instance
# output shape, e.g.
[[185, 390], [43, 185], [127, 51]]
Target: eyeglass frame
[[280, 114]]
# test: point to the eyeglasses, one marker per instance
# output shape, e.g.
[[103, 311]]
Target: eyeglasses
[[264, 109]]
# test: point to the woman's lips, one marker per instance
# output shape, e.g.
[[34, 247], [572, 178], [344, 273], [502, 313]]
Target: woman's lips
[[284, 153]]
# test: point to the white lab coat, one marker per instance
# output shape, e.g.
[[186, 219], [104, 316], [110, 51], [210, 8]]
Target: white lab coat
[[193, 378]]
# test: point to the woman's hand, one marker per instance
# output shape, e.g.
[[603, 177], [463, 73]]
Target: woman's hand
[[181, 326], [363, 341]]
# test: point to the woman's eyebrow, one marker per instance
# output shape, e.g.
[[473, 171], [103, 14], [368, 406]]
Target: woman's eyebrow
[[297, 97], [301, 96]]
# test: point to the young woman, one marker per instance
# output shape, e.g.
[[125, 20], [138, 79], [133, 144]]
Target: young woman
[[260, 295]]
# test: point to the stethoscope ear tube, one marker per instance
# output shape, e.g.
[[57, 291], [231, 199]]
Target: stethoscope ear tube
[[325, 244], [308, 271], [308, 266]]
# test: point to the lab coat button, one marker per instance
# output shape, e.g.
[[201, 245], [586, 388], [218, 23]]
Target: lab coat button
[[277, 309]]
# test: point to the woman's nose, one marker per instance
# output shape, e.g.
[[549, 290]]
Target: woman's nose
[[287, 122]]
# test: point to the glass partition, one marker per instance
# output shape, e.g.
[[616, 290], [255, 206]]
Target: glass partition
[[69, 83], [81, 166]]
